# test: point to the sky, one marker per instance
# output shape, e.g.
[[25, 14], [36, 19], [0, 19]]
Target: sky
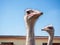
[[12, 16]]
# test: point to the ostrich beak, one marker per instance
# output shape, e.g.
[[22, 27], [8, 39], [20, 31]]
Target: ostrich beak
[[42, 29], [41, 13]]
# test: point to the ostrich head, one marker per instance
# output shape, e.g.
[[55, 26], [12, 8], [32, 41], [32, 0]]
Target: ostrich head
[[31, 16], [49, 29]]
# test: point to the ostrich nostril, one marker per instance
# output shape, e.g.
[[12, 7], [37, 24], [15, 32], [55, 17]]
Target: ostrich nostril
[[28, 12], [41, 13]]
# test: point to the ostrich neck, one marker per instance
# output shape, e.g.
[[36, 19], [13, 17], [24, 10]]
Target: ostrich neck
[[30, 34], [50, 39]]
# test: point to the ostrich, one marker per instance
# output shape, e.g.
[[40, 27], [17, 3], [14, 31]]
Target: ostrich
[[30, 18], [50, 30]]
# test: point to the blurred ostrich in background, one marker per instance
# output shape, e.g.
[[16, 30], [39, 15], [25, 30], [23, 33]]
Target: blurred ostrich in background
[[50, 30]]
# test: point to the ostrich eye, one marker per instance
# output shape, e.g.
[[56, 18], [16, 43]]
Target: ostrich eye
[[50, 27], [30, 11]]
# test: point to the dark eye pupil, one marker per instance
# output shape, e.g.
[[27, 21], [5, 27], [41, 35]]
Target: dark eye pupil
[[50, 27], [28, 12]]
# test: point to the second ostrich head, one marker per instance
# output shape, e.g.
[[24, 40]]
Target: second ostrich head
[[49, 29]]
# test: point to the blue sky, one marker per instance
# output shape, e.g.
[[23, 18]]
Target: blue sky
[[12, 16]]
